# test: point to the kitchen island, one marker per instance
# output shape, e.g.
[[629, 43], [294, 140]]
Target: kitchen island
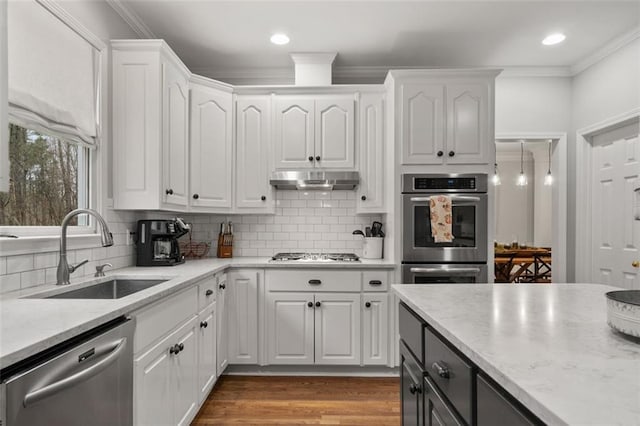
[[548, 346]]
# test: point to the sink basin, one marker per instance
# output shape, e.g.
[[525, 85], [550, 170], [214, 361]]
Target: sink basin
[[112, 289]]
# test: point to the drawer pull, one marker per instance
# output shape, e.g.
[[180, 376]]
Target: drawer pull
[[375, 282], [315, 282], [208, 292], [441, 369]]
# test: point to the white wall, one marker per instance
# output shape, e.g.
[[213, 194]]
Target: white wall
[[514, 204], [542, 196]]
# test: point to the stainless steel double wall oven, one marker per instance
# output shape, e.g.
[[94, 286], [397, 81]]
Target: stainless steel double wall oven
[[464, 260]]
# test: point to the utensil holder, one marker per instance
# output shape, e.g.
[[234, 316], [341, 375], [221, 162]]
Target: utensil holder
[[372, 247]]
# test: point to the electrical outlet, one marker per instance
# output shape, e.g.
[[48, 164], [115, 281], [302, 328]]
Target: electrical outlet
[[129, 238]]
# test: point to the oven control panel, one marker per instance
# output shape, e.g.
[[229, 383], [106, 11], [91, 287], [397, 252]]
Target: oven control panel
[[421, 183]]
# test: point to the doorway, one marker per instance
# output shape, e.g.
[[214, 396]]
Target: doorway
[[532, 215]]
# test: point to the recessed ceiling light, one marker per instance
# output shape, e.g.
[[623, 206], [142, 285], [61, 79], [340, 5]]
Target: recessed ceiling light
[[279, 39], [553, 39]]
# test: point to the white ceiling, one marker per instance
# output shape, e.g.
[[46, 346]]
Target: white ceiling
[[223, 39]]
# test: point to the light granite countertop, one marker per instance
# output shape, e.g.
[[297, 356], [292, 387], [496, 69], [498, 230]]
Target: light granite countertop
[[31, 325], [547, 345]]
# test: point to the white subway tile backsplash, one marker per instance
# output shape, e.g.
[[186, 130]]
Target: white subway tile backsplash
[[32, 278], [21, 263], [3, 266], [9, 282]]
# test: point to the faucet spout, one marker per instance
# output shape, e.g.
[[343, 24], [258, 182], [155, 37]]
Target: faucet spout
[[64, 269]]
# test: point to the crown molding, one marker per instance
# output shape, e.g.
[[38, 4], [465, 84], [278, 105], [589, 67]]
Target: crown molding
[[131, 18], [56, 9], [606, 50]]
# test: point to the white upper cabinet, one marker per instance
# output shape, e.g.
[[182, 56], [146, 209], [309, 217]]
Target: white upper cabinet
[[211, 141], [253, 141], [314, 131], [370, 197], [150, 126], [446, 116]]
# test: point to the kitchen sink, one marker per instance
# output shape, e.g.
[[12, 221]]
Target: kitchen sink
[[115, 288]]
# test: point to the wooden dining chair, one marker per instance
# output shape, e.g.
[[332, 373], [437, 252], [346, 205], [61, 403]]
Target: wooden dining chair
[[503, 267], [542, 267]]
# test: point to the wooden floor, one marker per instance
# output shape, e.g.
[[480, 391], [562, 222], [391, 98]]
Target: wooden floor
[[251, 400]]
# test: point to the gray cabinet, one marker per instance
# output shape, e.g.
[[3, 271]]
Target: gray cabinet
[[410, 388], [438, 412], [495, 408]]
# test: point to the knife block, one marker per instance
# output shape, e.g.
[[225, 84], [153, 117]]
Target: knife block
[[225, 246]]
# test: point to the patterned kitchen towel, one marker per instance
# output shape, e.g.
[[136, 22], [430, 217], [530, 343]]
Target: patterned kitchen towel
[[440, 207]]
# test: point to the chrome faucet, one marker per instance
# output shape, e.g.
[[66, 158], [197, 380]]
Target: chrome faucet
[[64, 269]]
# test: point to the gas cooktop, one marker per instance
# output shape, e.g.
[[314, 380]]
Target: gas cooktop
[[315, 257]]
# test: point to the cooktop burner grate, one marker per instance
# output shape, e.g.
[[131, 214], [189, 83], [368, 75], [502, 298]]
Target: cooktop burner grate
[[316, 257]]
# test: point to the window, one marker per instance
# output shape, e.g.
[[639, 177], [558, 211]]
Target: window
[[48, 178]]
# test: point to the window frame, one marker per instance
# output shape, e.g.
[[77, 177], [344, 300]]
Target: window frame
[[39, 239]]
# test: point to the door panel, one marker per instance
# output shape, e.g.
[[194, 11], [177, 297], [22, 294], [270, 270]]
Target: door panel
[[334, 132], [467, 121], [375, 328], [222, 328], [153, 386], [337, 323], [294, 132], [175, 124], [422, 123], [290, 328], [243, 316], [206, 351], [186, 374], [371, 142]]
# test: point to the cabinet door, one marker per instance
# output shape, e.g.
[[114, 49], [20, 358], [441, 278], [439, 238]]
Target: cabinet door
[[4, 134], [222, 317], [185, 374], [375, 340], [206, 351], [290, 328], [294, 132], [337, 328], [334, 132], [153, 390], [370, 196], [437, 412], [211, 149], [422, 123], [175, 135], [467, 124], [410, 390], [253, 139], [243, 316]]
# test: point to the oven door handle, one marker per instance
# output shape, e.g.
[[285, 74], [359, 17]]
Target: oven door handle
[[452, 271], [453, 197]]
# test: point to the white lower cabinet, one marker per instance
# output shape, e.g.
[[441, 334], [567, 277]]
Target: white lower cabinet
[[165, 387], [207, 351], [337, 328], [222, 317], [375, 328], [243, 315]]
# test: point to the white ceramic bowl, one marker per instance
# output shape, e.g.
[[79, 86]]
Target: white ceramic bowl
[[623, 311]]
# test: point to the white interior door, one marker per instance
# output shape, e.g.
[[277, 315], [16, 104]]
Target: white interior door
[[615, 233]]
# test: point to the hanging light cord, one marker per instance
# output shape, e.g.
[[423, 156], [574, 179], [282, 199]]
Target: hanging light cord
[[521, 158], [549, 172]]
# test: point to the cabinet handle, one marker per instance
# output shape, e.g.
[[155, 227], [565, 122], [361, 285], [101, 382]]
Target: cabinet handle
[[263, 198], [317, 158], [363, 198], [318, 304], [375, 282], [310, 304], [169, 191], [222, 286], [315, 282], [413, 388], [174, 350], [208, 292], [367, 305], [196, 196], [451, 153], [440, 154], [441, 370], [311, 158], [204, 324]]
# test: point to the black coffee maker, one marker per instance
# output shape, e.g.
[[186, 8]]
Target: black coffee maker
[[158, 242]]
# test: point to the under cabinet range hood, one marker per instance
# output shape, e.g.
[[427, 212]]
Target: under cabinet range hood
[[314, 180]]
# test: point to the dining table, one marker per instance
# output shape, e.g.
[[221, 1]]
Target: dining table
[[514, 264]]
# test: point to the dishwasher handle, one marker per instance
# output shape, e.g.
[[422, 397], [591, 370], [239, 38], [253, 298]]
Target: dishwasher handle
[[60, 385], [451, 271]]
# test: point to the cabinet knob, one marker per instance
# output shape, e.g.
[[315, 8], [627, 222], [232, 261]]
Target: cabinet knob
[[196, 196], [367, 305], [311, 158], [174, 350], [413, 388], [317, 158], [208, 292], [310, 304], [636, 263], [363, 198], [263, 198], [181, 347], [222, 286], [451, 153], [318, 304], [204, 324], [169, 191], [440, 154], [441, 369]]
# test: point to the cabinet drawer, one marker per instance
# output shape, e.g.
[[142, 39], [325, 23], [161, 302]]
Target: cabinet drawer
[[375, 280], [313, 280], [452, 374], [207, 291], [411, 327], [494, 408], [161, 318]]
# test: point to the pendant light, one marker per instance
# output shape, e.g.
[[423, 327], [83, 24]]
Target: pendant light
[[496, 177], [522, 178], [548, 179]]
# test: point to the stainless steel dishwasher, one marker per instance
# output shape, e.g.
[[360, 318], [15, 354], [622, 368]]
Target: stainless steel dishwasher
[[85, 381]]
